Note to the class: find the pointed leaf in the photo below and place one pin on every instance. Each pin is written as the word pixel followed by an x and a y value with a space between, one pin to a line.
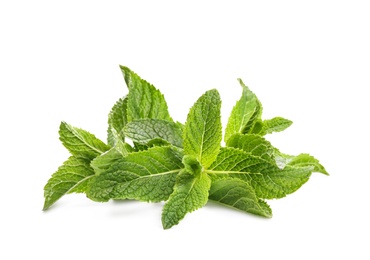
pixel 301 160
pixel 235 161
pixel 279 183
pixel 276 124
pixel 266 178
pixel 80 142
pixel 144 100
pixel 117 119
pixel 238 194
pixel 144 130
pixel 190 193
pixel 244 114
pixel 147 175
pixel 202 132
pixel 254 145
pixel 73 176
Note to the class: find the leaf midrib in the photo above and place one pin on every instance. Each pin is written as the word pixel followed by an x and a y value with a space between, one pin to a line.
pixel 83 140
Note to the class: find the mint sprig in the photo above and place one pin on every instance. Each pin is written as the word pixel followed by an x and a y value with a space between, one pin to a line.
pixel 149 157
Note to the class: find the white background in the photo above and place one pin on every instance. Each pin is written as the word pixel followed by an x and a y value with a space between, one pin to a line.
pixel 308 61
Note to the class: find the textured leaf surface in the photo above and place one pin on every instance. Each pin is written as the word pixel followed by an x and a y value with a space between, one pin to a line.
pixel 144 100
pixel 254 145
pixel 238 194
pixel 235 161
pixel 276 124
pixel 73 176
pixel 105 160
pixel 80 142
pixel 244 114
pixel 202 132
pixel 147 175
pixel 117 119
pixel 301 160
pixel 266 178
pixel 144 130
pixel 190 193
pixel 279 183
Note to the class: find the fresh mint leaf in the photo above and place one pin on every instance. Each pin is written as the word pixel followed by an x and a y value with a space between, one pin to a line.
pixel 80 142
pixel 117 119
pixel 190 193
pixel 147 176
pixel 245 113
pixel 301 160
pixel 254 145
pixel 238 194
pixel 105 160
pixel 144 100
pixel 276 124
pixel 76 173
pixel 237 162
pixel 202 133
pixel 73 176
pixel 278 183
pixel 142 131
pixel 266 178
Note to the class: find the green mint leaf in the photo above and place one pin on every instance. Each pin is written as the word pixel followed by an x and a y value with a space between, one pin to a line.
pixel 237 162
pixel 105 160
pixel 147 176
pixel 265 177
pixel 276 124
pixel 73 176
pixel 202 133
pixel 301 160
pixel 245 113
pixel 190 193
pixel 80 142
pixel 254 145
pixel 279 183
pixel 117 119
pixel 238 194
pixel 142 131
pixel 144 100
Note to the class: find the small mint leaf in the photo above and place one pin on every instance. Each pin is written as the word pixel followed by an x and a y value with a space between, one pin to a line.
pixel 73 176
pixel 202 133
pixel 190 193
pixel 80 142
pixel 142 131
pixel 144 100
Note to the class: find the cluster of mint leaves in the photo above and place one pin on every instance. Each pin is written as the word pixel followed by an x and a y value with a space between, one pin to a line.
pixel 182 164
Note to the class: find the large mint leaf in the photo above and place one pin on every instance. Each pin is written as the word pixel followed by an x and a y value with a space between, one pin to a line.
pixel 80 142
pixel 254 145
pixel 144 100
pixel 190 193
pixel 144 130
pixel 276 124
pixel 266 178
pixel 147 175
pixel 279 183
pixel 245 114
pixel 117 119
pixel 73 176
pixel 238 194
pixel 202 131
